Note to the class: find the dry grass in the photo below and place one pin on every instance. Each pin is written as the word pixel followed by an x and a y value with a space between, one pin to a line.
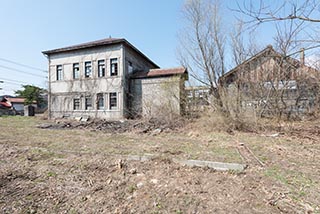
pixel 75 171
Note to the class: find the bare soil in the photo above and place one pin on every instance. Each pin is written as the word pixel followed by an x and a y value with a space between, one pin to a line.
pixel 84 171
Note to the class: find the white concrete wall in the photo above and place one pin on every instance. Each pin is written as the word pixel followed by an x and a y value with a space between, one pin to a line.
pixel 139 63
pixel 62 92
pixel 157 96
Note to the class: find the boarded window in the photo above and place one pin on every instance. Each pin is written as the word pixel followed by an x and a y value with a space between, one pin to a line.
pixel 88 103
pixel 76 71
pixel 114 67
pixel 76 104
pixel 113 101
pixel 100 101
pixel 101 68
pixel 59 72
pixel 87 69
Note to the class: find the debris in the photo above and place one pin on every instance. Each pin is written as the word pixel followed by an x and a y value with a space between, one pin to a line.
pixel 152 126
pixel 154 181
pixel 248 156
pixel 213 165
pixel 84 119
pixel 78 118
pixel 120 164
pixel 156 131
pixel 139 185
pixel 133 171
pixel 44 126
pixel 274 135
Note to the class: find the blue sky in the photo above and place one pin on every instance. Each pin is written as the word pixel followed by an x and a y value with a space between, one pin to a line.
pixel 29 27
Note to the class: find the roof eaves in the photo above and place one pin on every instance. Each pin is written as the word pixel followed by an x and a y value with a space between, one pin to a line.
pixel 85 45
pixel 139 52
pixel 268 48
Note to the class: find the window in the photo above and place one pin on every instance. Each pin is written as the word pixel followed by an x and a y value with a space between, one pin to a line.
pixel 76 104
pixel 59 72
pixel 76 71
pixel 114 67
pixel 113 101
pixel 88 103
pixel 87 69
pixel 101 68
pixel 100 101
pixel 130 67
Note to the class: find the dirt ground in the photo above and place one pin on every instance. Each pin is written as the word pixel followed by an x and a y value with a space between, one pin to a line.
pixel 84 171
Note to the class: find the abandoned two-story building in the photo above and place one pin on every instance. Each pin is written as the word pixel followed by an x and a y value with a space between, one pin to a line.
pixel 111 79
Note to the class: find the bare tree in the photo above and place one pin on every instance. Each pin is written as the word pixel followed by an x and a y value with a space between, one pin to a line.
pixel 291 17
pixel 307 10
pixel 203 43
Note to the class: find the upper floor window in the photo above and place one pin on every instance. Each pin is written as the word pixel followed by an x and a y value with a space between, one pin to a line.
pixel 114 67
pixel 130 68
pixel 88 103
pixel 100 101
pixel 59 72
pixel 113 100
pixel 76 104
pixel 87 69
pixel 101 68
pixel 76 71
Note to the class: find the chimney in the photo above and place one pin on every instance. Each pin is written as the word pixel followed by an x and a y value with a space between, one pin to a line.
pixel 302 62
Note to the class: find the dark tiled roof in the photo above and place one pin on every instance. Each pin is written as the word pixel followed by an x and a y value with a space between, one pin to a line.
pixel 160 72
pixel 102 42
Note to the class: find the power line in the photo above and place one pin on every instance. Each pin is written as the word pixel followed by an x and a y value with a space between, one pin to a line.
pixel 23 65
pixel 24 72
pixel 17 81
pixel 12 83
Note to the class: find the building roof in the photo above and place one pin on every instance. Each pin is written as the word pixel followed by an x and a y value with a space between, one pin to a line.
pixel 97 43
pixel 309 72
pixel 160 73
pixel 17 100
pixel 268 50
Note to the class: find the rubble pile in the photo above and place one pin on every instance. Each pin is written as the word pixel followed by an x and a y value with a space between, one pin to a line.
pixel 153 126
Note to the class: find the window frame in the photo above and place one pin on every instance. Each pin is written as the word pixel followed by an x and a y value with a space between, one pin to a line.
pixel 78 104
pixel 103 67
pixel 86 103
pixel 59 72
pixel 114 67
pixel 99 97
pixel 76 66
pixel 88 64
pixel 113 95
